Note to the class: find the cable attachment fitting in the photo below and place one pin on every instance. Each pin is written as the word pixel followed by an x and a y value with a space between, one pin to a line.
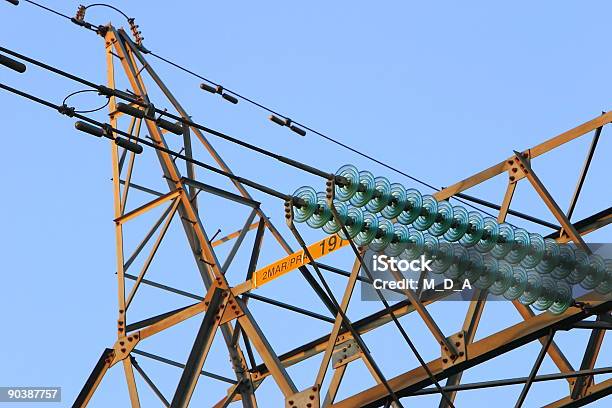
pixel 287 122
pixel 218 89
pixel 289 211
pixel 138 38
pixel 66 110
pixel 79 18
pixel 80 14
pixel 149 111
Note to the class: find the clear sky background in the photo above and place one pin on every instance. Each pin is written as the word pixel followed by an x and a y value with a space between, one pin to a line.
pixel 440 90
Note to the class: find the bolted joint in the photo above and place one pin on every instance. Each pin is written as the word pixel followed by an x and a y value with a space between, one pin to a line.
pixel 124 346
pixel 345 352
pixel 308 398
pixel 459 350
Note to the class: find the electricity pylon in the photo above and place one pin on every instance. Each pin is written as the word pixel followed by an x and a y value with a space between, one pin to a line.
pixel 225 308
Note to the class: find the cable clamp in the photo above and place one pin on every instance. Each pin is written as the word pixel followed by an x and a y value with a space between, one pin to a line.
pixel 66 110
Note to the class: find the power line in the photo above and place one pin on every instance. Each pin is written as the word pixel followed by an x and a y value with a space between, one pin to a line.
pixel 50 10
pixel 272 111
pixel 324 136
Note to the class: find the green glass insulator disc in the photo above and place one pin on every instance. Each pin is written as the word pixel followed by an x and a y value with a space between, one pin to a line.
pixel 535 253
pixel 414 247
pixel 522 245
pixel 428 214
pixel 351 174
pixel 461 261
pixel 563 299
pixel 443 258
pixel 605 286
pixel 332 226
pixel 384 237
pixel 355 225
pixel 488 275
pixel 486 244
pixel 368 233
pixel 475 231
pixel 382 196
pixel 551 258
pixel 461 223
pixel 518 283
pixel 400 241
pixel 322 214
pixel 412 210
pixel 547 295
pixel 533 289
pixel 309 196
pixel 565 263
pixel 503 279
pixel 432 246
pixel 444 219
pixel 596 274
pixel 505 241
pixel 366 183
pixel 397 203
pixel 581 269
pixel 475 268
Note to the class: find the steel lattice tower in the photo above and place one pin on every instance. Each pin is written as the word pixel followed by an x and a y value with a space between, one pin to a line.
pixel 224 308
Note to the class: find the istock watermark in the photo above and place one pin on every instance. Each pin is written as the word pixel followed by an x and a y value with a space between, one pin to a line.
pixel 385 263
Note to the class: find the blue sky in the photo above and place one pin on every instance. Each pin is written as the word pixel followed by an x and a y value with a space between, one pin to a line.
pixel 440 90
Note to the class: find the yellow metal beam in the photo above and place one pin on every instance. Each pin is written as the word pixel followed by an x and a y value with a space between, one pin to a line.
pixel 148 206
pixel 233 235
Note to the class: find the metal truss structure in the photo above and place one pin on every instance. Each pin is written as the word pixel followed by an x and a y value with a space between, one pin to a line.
pixel 224 308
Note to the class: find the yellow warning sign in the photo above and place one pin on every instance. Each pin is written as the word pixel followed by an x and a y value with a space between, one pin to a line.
pixel 297 259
